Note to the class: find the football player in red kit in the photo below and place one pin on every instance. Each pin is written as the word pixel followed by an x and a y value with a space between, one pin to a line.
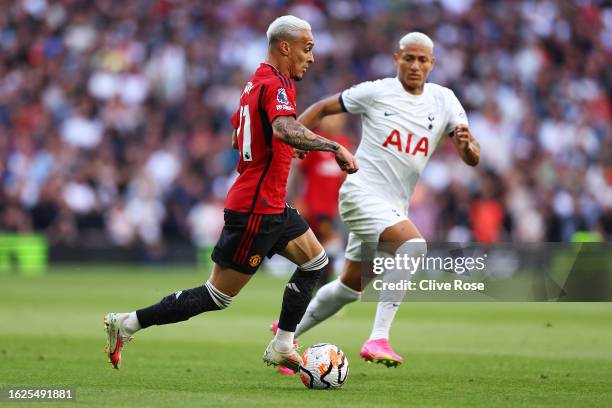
pixel 258 222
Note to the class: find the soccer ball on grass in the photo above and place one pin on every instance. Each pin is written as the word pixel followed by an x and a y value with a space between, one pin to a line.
pixel 324 366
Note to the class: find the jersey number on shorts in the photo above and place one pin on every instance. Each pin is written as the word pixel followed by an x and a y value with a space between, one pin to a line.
pixel 244 128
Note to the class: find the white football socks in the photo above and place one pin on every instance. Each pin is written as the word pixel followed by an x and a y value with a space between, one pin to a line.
pixel 389 303
pixel 385 313
pixel 386 307
pixel 329 299
pixel 131 323
pixel 283 341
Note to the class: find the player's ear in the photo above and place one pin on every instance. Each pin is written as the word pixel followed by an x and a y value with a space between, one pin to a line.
pixel 395 58
pixel 284 47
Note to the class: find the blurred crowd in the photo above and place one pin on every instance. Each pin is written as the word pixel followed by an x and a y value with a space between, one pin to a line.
pixel 114 116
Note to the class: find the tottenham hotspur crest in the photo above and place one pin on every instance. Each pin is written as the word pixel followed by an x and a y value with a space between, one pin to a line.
pixel 281 96
pixel 430 118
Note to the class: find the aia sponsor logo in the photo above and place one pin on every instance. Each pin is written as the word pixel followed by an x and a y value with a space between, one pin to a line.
pixel 409 144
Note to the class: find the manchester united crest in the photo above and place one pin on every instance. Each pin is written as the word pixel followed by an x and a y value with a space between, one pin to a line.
pixel 254 260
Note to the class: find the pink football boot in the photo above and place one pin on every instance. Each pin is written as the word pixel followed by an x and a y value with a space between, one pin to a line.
pixel 380 351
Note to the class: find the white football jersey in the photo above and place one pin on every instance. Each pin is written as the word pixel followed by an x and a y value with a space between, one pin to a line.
pixel 400 132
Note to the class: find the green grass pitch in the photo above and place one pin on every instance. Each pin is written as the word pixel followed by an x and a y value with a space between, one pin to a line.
pixel 457 354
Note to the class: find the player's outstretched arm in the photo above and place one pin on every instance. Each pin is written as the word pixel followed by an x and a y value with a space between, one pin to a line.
pixel 292 132
pixel 466 144
pixel 318 110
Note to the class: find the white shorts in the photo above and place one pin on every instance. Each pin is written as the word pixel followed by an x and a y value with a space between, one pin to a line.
pixel 366 217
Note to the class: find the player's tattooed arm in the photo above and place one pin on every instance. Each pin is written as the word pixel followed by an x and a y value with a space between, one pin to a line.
pixel 292 132
pixel 467 145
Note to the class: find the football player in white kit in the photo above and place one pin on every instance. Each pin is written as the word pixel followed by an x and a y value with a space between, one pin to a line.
pixel 403 121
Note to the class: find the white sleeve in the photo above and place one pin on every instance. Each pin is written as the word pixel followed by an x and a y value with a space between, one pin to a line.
pixel 456 113
pixel 358 98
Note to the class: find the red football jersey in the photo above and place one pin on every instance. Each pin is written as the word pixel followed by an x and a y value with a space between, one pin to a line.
pixel 264 160
pixel 323 180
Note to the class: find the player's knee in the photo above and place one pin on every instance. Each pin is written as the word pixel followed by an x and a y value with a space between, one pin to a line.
pixel 346 293
pixel 413 247
pixel 220 299
pixel 316 264
pixel 307 275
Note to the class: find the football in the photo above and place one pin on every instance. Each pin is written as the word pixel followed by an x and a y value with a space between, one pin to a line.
pixel 324 366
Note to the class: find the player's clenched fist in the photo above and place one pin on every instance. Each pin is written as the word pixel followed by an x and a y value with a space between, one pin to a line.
pixel 467 145
pixel 346 160
pixel 463 134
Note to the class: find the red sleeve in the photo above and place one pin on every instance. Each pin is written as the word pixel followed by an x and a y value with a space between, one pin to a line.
pixel 235 119
pixel 279 99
